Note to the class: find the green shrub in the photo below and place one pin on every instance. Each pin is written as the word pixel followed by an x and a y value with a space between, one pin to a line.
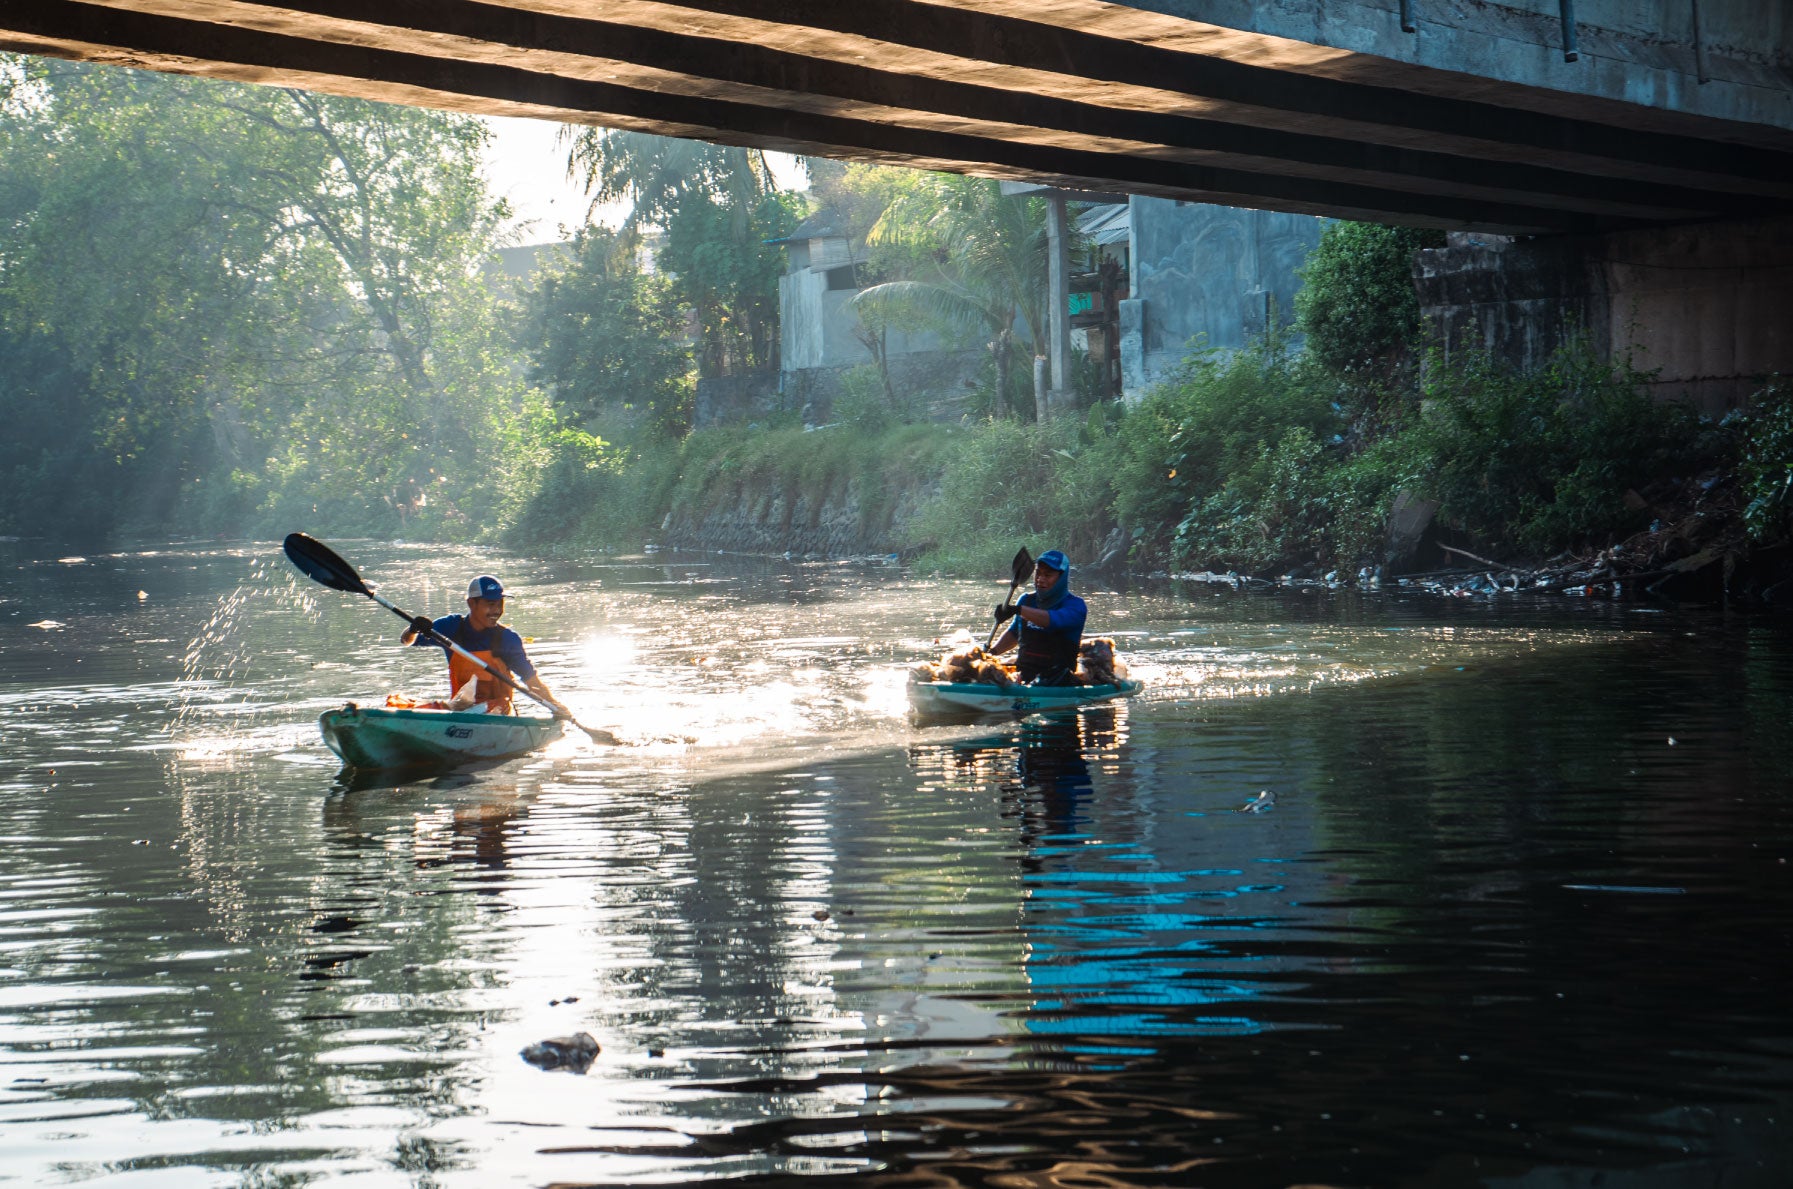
pixel 862 402
pixel 1007 483
pixel 1357 305
pixel 1209 423
pixel 1541 460
pixel 1296 504
pixel 1766 468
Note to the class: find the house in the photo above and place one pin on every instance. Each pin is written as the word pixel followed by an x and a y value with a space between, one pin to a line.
pixel 821 338
pixel 1205 277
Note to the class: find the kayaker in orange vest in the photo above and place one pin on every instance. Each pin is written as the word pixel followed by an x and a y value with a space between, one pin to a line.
pixel 480 633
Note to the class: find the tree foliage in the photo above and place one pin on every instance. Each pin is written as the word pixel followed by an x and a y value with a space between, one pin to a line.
pixel 222 305
pixel 605 336
pixel 1357 305
pixel 978 269
pixel 717 206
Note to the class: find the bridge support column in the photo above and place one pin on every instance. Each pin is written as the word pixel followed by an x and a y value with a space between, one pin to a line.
pixel 1703 306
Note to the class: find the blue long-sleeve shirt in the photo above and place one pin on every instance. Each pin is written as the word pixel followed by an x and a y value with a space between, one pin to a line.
pixel 1066 619
pixel 498 640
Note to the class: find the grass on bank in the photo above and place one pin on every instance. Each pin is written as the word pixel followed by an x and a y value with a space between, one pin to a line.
pixel 1266 462
pixel 1261 461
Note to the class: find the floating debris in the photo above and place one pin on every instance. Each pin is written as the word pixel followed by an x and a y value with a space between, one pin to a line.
pixel 572 1053
pixel 1630 889
pixel 1258 804
pixel 48 625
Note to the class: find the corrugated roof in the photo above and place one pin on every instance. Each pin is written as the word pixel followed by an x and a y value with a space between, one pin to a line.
pixel 1106 224
pixel 821 225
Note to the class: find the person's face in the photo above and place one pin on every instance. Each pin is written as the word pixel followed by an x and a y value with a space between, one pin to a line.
pixel 485 612
pixel 1043 578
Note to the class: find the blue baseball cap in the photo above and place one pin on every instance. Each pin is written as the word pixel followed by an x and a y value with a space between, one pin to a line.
pixel 485 587
pixel 1055 559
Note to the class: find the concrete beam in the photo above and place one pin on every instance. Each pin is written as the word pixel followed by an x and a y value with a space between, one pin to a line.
pixel 1075 93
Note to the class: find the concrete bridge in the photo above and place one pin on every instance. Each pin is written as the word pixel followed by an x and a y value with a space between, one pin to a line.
pixel 1507 116
pixel 1646 144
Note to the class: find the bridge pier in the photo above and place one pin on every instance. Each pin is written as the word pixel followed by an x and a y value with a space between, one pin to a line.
pixel 1703 306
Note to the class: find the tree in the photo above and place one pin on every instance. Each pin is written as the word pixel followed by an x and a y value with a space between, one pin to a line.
pixel 260 293
pixel 1357 306
pixel 604 336
pixel 984 270
pixel 718 206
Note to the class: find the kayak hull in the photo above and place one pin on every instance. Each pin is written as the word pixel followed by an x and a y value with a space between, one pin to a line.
pixel 374 738
pixel 946 697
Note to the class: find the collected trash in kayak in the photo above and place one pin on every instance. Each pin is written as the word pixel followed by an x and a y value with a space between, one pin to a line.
pixel 972 666
pixel 1097 664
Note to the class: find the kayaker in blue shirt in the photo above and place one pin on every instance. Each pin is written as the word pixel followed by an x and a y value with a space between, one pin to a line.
pixel 1048 624
pixel 480 633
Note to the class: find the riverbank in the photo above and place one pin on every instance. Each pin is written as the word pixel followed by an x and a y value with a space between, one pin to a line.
pixel 1266 467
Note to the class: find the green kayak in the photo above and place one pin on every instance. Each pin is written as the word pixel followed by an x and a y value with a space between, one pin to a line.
pixel 950 698
pixel 382 738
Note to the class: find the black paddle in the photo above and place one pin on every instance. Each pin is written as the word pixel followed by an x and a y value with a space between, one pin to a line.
pixel 1019 569
pixel 322 565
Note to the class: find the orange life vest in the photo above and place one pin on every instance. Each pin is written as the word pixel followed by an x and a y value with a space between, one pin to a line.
pixel 493 692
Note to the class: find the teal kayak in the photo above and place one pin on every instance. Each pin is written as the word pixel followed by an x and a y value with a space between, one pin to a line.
pixel 382 738
pixel 946 697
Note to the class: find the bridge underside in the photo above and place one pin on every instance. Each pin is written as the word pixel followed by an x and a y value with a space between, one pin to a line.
pixel 1078 93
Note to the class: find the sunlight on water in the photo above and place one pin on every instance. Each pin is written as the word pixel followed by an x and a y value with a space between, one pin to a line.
pixel 813 936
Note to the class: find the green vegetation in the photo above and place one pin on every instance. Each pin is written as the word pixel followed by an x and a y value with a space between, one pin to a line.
pixel 1766 464
pixel 1357 306
pixel 720 466
pixel 718 207
pixel 230 309
pixel 1248 462
pixel 227 307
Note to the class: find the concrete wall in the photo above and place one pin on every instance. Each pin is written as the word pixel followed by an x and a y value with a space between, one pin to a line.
pixel 816 326
pixel 819 345
pixel 1708 308
pixel 1651 52
pixel 1208 274
pixel 737 400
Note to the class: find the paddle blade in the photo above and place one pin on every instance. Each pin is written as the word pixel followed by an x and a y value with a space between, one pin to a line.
pixel 1021 569
pixel 321 564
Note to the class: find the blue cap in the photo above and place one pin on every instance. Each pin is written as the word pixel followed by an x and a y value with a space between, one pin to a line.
pixel 1055 559
pixel 485 587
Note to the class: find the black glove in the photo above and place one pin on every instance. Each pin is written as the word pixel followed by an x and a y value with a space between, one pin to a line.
pixel 1004 613
pixel 422 625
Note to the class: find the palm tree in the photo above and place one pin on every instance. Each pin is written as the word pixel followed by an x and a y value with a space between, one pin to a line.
pixel 989 270
pixel 719 205
pixel 658 173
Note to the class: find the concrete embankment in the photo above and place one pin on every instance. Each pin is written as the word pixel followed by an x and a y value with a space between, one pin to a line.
pixel 772 515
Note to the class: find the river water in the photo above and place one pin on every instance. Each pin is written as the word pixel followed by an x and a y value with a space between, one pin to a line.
pixel 1512 916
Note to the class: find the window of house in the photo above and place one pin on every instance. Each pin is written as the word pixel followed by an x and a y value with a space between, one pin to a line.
pixel 844 277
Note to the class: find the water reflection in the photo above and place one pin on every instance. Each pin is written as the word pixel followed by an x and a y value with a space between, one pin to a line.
pixel 813 939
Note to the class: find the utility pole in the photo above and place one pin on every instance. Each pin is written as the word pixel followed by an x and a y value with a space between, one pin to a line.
pixel 1058 285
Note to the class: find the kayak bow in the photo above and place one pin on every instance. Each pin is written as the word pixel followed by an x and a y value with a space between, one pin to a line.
pixel 382 738
pixel 946 697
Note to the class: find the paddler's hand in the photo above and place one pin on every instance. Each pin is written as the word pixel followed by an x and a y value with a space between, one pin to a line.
pixel 1004 613
pixel 421 625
